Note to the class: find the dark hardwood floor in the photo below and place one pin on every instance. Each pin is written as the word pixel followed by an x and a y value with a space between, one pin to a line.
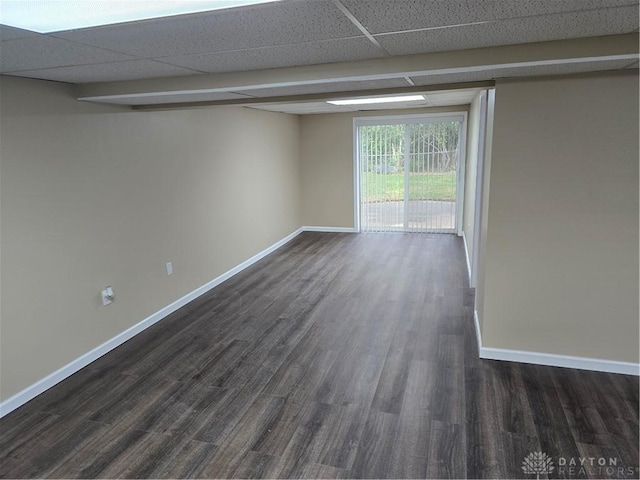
pixel 338 356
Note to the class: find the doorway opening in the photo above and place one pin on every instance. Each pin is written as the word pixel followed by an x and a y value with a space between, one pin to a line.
pixel 409 173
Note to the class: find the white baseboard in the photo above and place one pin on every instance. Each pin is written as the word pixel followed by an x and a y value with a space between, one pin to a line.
pixel 466 254
pixel 553 360
pixel 485 352
pixel 69 369
pixel 581 363
pixel 329 229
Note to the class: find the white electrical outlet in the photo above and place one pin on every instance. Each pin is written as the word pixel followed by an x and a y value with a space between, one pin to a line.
pixel 169 268
pixel 107 296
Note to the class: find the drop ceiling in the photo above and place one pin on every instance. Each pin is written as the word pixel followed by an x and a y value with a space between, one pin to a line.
pixel 230 51
pixel 431 99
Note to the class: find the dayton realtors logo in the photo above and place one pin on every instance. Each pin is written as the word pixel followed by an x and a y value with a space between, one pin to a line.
pixel 537 463
pixel 598 467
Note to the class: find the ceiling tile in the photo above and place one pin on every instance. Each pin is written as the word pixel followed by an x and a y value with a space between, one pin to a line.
pixel 39 52
pixel 301 108
pixel 306 32
pixel 311 108
pixel 517 8
pixel 507 32
pixel 279 23
pixel 564 69
pixel 380 16
pixel 107 72
pixel 391 106
pixel 13 33
pixel 327 88
pixel 327 51
pixel 453 97
pixel 443 98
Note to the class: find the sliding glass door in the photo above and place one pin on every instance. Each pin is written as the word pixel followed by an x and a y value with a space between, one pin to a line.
pixel 409 173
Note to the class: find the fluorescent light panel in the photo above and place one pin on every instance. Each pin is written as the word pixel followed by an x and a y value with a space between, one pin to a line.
pixel 46 16
pixel 367 101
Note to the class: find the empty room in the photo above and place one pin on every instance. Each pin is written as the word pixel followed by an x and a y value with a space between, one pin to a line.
pixel 319 239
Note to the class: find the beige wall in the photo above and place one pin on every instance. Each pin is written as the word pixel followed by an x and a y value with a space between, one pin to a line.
pixel 470 174
pixel 94 196
pixel 561 271
pixel 327 164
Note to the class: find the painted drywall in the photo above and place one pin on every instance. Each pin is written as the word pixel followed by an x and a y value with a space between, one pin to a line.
pixel 561 266
pixel 94 195
pixel 471 174
pixel 326 143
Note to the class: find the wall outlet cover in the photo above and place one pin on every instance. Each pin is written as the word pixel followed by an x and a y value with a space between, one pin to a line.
pixel 107 296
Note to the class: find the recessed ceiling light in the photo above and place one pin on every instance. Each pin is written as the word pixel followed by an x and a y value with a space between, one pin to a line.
pixel 46 16
pixel 365 101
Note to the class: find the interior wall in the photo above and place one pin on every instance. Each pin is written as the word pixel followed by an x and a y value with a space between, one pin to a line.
pixel 561 266
pixel 471 174
pixel 327 180
pixel 96 195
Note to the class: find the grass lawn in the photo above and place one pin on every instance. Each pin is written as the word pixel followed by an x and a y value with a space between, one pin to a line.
pixel 389 187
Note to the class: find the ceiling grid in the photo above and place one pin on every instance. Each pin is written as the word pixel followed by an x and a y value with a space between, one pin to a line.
pixel 358 25
pixel 314 36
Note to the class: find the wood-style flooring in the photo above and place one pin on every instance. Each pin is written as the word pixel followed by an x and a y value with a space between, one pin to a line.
pixel 338 356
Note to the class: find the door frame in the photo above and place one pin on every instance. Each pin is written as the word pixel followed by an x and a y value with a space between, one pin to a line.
pixel 485 145
pixel 460 115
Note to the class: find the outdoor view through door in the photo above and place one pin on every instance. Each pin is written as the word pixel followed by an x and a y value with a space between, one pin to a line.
pixel 408 173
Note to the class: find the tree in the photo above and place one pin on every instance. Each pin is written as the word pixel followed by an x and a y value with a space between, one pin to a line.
pixel 382 146
pixel 433 147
